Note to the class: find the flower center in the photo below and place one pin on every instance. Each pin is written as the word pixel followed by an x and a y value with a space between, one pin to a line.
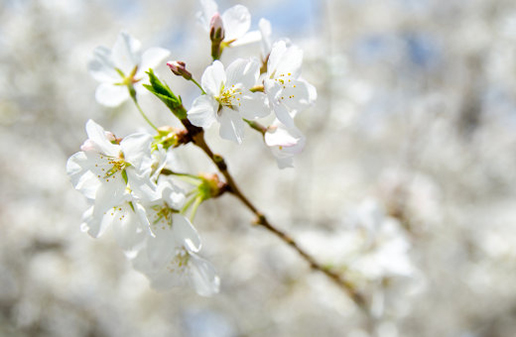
pixel 110 166
pixel 180 261
pixel 130 79
pixel 229 97
pixel 285 80
pixel 163 216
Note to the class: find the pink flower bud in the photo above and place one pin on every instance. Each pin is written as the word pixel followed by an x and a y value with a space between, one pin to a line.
pixel 217 28
pixel 179 69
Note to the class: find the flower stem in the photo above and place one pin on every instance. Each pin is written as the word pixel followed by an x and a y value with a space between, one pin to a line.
pixel 198 85
pixel 257 126
pixel 198 201
pixel 188 204
pixel 179 174
pixel 133 96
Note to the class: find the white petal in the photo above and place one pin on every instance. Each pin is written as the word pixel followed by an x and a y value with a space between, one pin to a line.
pixel 283 115
pixel 82 179
pixel 291 61
pixel 284 143
pixel 312 92
pixel 209 7
pixel 111 95
pixel 247 38
pixel 237 21
pixel 165 279
pixel 98 136
pixel 126 53
pixel 136 147
pixel 151 58
pixel 91 225
pixel 110 193
pixel 297 95
pixel 172 195
pixel 161 248
pixel 141 186
pixel 277 51
pixel 203 276
pixel 231 125
pixel 266 33
pixel 294 149
pixel 102 67
pixel 253 106
pixel 284 60
pixel 127 228
pixel 185 233
pixel 243 71
pixel 214 78
pixel 279 135
pixel 73 166
pixel 141 213
pixel 276 97
pixel 284 153
pixel 203 111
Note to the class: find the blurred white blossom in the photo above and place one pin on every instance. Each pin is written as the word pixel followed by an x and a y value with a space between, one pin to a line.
pixel 124 65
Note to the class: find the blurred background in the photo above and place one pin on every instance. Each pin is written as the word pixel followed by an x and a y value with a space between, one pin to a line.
pixel 406 185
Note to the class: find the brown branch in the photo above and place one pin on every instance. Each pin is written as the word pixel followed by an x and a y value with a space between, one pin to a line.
pixel 261 220
pixel 348 287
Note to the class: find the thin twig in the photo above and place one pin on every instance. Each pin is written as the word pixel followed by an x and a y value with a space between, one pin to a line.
pixel 347 286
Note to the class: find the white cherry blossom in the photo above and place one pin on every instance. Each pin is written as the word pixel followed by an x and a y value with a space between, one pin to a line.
pixel 105 172
pixel 128 221
pixel 184 268
pixel 228 98
pixel 169 258
pixel 286 91
pixel 124 65
pixel 284 143
pixel 170 229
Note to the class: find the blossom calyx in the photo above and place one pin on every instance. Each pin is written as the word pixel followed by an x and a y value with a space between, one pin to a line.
pixel 211 186
pixel 169 136
pixel 179 69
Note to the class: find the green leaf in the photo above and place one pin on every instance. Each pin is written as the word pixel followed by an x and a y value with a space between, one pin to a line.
pixel 165 94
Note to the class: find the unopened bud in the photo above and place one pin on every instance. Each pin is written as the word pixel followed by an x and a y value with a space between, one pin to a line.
pixel 216 28
pixel 179 69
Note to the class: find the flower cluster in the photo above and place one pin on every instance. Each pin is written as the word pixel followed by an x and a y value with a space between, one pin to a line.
pixel 250 89
pixel 118 177
pixel 127 181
